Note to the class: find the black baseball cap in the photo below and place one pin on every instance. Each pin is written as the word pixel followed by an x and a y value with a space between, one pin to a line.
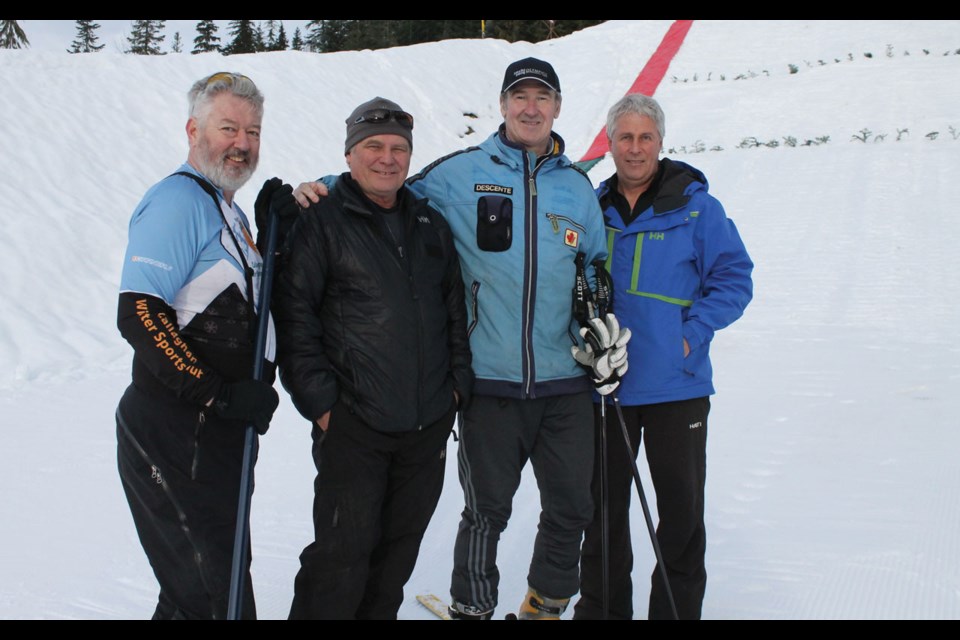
pixel 530 69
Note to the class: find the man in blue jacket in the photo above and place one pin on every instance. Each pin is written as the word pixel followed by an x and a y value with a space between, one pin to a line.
pixel 520 212
pixel 680 273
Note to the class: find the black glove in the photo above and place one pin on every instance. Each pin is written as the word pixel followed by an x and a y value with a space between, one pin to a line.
pixel 275 198
pixel 250 401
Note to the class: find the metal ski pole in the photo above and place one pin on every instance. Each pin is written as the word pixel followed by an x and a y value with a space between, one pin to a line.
pixel 602 302
pixel 604 513
pixel 241 539
pixel 646 507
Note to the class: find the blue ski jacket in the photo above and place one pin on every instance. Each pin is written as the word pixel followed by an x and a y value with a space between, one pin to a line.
pixel 680 270
pixel 518 222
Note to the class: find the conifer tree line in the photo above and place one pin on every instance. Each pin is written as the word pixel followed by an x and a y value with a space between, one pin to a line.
pixel 325 36
pixel 146 37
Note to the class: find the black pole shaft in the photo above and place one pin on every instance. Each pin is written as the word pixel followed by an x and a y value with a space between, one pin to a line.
pixel 604 514
pixel 646 507
pixel 241 539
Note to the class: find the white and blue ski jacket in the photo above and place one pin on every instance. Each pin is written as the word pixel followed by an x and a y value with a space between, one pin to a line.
pixel 184 300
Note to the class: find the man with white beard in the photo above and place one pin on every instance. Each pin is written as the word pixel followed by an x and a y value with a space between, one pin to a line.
pixel 188 307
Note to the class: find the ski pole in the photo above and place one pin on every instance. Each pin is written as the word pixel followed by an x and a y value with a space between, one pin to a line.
pixel 604 514
pixel 646 508
pixel 241 539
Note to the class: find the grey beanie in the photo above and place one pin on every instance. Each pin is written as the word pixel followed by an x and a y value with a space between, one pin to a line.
pixel 377 117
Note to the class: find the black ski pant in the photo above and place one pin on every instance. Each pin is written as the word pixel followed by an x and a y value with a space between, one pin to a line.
pixel 675 440
pixel 180 470
pixel 374 495
pixel 497 437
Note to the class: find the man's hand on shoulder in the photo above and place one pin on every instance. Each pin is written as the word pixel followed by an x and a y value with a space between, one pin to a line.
pixel 308 193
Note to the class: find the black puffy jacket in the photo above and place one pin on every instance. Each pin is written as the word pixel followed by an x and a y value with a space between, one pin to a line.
pixel 355 322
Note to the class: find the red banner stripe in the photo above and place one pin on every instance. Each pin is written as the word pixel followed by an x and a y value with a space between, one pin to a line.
pixel 649 78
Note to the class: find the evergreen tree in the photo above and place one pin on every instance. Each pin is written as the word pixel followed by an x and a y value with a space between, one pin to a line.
pixel 145 37
pixel 332 35
pixel 176 46
pixel 269 32
pixel 417 31
pixel 280 42
pixel 86 41
pixel 297 43
pixel 371 34
pixel 314 40
pixel 244 38
pixel 259 40
pixel 207 39
pixel 12 35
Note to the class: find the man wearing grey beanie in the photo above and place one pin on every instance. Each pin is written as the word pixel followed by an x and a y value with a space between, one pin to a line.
pixel 373 349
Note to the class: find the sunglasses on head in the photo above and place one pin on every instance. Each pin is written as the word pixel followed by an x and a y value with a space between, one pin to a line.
pixel 227 77
pixel 379 116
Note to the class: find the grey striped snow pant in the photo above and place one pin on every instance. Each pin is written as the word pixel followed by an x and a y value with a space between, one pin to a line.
pixel 497 437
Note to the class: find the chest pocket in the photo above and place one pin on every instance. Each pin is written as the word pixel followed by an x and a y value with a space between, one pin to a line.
pixel 494 223
pixel 432 244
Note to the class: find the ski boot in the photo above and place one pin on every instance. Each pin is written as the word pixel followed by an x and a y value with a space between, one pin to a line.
pixel 539 607
pixel 461 611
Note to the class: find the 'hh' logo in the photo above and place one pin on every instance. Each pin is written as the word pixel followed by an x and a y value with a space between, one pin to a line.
pixel 655 235
pixel 696 425
pixel 571 238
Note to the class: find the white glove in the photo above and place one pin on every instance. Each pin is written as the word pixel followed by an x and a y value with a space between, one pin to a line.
pixel 605 352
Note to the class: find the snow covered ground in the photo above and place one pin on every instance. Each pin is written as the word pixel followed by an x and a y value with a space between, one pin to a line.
pixel 833 486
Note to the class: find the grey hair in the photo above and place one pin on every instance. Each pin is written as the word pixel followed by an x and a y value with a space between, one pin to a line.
pixel 203 92
pixel 639 104
pixel 557 96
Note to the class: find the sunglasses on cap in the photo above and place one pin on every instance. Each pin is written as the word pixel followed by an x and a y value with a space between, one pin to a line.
pixel 379 116
pixel 227 77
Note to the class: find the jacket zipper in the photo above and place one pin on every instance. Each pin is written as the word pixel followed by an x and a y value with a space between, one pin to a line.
pixel 201 420
pixel 420 366
pixel 475 306
pixel 555 219
pixel 530 275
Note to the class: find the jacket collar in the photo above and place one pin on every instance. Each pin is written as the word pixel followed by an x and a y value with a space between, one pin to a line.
pixel 507 152
pixel 351 196
pixel 676 183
